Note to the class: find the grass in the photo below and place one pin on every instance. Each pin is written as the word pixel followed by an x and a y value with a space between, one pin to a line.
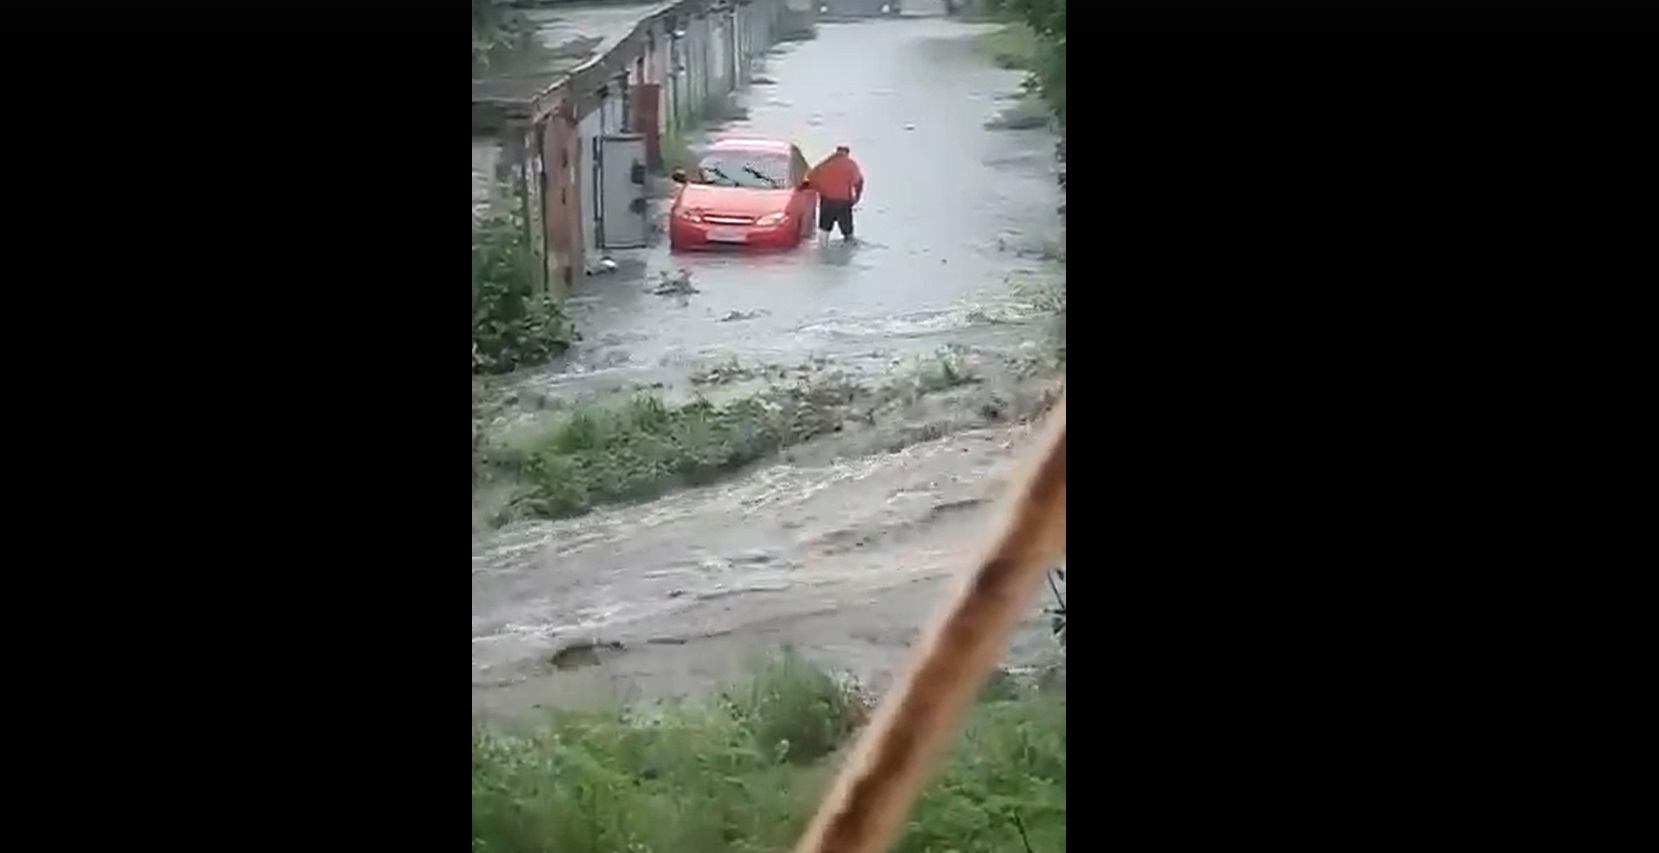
pixel 677 153
pixel 742 771
pixel 605 453
pixel 1012 46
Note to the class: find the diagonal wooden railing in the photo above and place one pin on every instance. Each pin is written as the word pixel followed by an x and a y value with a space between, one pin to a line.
pixel 893 758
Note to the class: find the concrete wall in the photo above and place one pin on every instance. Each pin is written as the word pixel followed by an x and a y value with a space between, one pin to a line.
pixel 755 28
pixel 486 157
pixel 663 74
pixel 697 66
pixel 797 19
pixel 720 53
pixel 715 56
pixel 673 83
pixel 587 130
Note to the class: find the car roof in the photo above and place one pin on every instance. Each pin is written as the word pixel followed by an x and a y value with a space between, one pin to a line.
pixel 750 144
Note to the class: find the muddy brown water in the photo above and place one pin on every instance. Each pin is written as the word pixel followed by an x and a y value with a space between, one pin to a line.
pixel 841 553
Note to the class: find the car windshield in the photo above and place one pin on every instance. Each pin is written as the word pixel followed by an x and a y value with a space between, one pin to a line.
pixel 751 169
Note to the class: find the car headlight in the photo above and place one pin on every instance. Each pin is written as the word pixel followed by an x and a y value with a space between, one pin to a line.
pixel 772 219
pixel 691 214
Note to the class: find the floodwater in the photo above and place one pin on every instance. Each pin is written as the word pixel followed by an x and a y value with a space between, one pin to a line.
pixel 954 221
pixel 841 554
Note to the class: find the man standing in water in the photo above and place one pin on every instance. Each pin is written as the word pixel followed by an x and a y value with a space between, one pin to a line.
pixel 840 185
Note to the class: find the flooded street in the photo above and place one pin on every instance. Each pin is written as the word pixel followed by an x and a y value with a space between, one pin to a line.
pixel 838 548
pixel 955 220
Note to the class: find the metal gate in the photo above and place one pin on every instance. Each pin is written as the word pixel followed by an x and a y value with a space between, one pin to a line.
pixel 621 215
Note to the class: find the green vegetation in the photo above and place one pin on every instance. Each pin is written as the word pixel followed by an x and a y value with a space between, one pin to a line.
pixel 1014 46
pixel 547 458
pixel 640 448
pixel 514 322
pixel 497 30
pixel 1057 611
pixel 742 771
pixel 1037 43
pixel 973 11
pixel 1046 21
pixel 677 152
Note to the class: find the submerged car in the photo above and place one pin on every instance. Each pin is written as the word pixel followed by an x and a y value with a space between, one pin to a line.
pixel 743 192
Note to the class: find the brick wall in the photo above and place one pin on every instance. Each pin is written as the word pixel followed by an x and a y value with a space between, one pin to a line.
pixel 563 202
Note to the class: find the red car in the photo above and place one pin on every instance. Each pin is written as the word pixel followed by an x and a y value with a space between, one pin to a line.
pixel 745 192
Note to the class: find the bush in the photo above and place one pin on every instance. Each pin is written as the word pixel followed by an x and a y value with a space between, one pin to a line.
pixel 514 324
pixel 795 711
pixel 1003 785
pixel 716 776
pixel 1044 55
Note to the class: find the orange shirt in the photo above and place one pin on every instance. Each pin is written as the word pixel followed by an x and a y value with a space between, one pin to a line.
pixel 837 179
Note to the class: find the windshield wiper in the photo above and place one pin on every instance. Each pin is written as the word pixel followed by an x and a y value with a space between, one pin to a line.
pixel 762 175
pixel 715 171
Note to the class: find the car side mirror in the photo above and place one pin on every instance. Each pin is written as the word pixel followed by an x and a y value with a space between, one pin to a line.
pixel 678 176
pixel 806 184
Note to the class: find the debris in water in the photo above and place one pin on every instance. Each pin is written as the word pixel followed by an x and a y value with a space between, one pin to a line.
pixel 909 127
pixel 735 315
pixel 674 283
pixel 582 653
pixel 720 374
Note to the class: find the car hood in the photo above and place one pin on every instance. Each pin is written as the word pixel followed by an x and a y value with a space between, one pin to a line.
pixel 736 201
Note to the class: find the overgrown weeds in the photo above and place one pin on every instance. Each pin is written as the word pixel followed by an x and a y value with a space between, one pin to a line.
pixel 515 323
pixel 1040 48
pixel 602 454
pixel 742 771
pixel 677 150
pixel 640 448
pixel 1052 301
pixel 677 153
pixel 1057 611
pixel 1013 46
pixel 498 30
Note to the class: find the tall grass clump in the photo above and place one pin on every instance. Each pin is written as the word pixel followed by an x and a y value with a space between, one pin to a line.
pixel 604 454
pixel 1014 46
pixel 741 772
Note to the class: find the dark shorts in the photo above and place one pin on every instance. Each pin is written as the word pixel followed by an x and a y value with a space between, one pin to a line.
pixel 832 214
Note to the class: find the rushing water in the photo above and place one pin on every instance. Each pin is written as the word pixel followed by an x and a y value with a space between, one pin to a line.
pixel 841 555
